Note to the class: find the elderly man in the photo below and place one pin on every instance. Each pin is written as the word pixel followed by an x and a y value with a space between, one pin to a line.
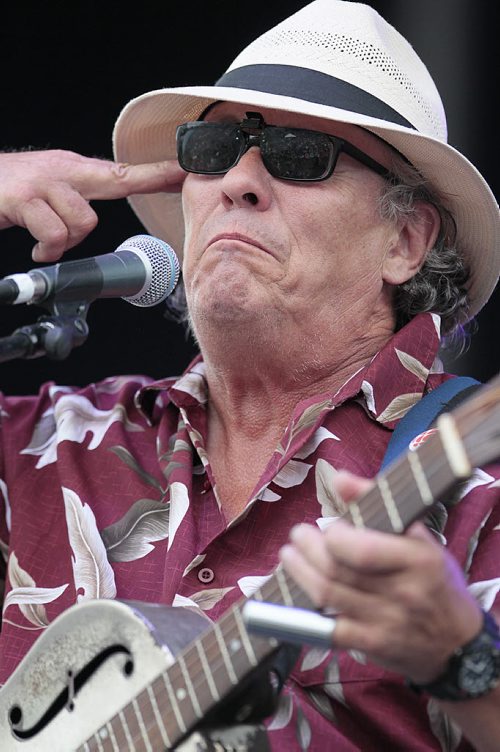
pixel 330 239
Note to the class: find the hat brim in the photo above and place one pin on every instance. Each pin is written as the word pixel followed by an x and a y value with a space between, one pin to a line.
pixel 145 132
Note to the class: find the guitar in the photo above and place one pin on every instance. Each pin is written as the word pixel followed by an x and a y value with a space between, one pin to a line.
pixel 112 676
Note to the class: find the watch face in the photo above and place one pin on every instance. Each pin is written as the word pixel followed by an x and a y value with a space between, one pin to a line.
pixel 477 672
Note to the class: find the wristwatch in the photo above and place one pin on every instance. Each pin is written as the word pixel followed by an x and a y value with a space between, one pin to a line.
pixel 473 670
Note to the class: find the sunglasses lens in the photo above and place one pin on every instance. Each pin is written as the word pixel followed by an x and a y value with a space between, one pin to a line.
pixel 295 154
pixel 208 148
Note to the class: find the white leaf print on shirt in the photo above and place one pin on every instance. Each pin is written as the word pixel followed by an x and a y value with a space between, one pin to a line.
pixel 292 474
pixel 115 384
pixel 206 599
pixel 310 446
pixel 303 729
pixel 436 320
pixel 179 504
pixel 194 383
pixel 283 713
pixel 330 501
pixel 180 601
pixel 91 569
pixel 28 596
pixel 413 365
pixel 324 522
pixel 130 537
pixel 485 592
pixel 305 421
pixel 322 703
pixel 267 495
pixel 5 493
pixel 332 684
pixel 248 585
pixel 313 657
pixel 70 420
pixel 399 407
pixel 445 730
pixel 196 562
pixel 367 390
pixel 478 478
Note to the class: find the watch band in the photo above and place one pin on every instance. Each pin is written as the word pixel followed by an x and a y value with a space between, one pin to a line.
pixel 473 670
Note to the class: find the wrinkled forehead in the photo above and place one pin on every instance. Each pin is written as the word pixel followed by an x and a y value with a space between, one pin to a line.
pixel 373 145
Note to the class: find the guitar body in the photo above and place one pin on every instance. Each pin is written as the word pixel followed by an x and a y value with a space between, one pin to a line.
pixel 120 648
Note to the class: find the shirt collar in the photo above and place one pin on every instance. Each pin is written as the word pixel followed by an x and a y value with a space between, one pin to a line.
pixel 387 386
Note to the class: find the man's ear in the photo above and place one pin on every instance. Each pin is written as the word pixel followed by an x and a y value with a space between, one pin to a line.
pixel 417 235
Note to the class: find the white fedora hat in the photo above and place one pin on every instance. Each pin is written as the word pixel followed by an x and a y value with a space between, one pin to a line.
pixel 338 60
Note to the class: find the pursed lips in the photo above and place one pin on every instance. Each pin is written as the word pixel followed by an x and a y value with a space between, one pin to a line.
pixel 242 238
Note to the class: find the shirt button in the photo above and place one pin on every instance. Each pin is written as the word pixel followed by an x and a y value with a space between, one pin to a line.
pixel 206 575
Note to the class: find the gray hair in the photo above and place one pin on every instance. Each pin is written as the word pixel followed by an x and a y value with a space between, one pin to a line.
pixel 440 286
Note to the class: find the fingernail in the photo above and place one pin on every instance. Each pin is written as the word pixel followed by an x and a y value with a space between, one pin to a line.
pixel 297 532
pixel 285 551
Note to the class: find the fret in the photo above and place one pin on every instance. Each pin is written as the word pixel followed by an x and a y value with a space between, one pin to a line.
pixel 225 655
pixel 142 727
pixel 208 674
pixel 355 513
pixel 133 726
pixel 112 737
pixel 118 733
pixel 159 721
pixel 282 583
pixel 174 704
pixel 390 504
pixel 244 638
pixel 420 479
pixel 97 737
pixel 126 729
pixel 453 447
pixel 189 684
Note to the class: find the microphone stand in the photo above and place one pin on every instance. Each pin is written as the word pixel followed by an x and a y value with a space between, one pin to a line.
pixel 54 336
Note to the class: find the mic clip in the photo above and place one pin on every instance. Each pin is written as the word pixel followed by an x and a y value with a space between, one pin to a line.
pixel 54 336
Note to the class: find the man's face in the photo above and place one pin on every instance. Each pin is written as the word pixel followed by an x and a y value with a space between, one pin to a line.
pixel 257 246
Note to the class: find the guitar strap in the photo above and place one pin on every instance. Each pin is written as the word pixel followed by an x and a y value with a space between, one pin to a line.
pixel 422 415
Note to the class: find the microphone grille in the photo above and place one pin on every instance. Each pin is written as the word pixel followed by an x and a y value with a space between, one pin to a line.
pixel 163 265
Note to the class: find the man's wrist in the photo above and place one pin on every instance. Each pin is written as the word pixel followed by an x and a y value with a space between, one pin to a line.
pixel 472 671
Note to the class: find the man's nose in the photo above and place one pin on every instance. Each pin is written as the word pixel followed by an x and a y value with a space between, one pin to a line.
pixel 248 182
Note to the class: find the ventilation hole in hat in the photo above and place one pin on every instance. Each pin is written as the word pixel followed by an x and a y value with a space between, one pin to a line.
pixel 321 42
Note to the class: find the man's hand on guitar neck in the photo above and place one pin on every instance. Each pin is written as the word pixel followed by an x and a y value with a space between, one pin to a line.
pixel 48 193
pixel 401 599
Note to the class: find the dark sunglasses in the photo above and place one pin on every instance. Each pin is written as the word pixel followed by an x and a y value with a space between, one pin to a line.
pixel 287 153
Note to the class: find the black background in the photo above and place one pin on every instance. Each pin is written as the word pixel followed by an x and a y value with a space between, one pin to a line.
pixel 68 68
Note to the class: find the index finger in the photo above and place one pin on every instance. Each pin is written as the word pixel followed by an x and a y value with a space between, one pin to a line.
pixel 375 552
pixel 102 179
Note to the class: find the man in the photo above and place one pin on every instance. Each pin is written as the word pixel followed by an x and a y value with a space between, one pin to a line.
pixel 328 231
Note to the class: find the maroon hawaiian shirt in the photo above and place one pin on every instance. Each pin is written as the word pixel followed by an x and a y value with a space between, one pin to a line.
pixel 107 492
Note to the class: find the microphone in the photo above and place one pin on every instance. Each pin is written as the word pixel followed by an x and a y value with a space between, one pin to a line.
pixel 143 270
